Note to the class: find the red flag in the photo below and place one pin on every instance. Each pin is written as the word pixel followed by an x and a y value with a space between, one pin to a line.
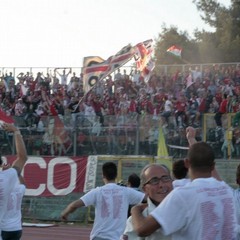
pixel 5 117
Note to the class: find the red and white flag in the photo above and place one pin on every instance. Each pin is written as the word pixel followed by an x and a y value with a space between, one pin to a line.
pixel 189 81
pixel 143 52
pixel 96 69
pixel 119 59
pixel 93 67
pixel 143 58
pixel 23 90
pixel 146 73
pixel 176 51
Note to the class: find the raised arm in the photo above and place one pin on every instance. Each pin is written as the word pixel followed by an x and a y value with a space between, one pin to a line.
pixel 191 135
pixel 69 71
pixel 56 71
pixel 19 163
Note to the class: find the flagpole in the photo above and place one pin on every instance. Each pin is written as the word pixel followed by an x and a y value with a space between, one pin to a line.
pixel 185 61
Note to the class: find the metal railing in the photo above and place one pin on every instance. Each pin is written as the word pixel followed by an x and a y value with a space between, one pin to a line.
pixel 133 135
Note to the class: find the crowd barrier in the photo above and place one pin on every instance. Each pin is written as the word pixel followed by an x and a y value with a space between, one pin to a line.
pixel 132 148
pixel 129 135
pixel 37 208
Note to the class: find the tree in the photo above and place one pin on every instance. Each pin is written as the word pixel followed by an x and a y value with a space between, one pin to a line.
pixel 226 21
pixel 220 45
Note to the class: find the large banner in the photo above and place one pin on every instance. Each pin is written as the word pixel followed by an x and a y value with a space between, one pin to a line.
pixel 55 176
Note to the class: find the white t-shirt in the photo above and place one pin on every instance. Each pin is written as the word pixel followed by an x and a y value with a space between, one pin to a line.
pixel 236 194
pixel 180 182
pixel 202 209
pixel 8 180
pixel 168 106
pixel 130 234
pixel 111 203
pixel 12 219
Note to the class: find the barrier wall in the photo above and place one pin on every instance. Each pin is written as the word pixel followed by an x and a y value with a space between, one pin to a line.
pixel 50 207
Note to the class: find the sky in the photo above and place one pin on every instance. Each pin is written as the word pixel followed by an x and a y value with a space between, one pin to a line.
pixel 59 33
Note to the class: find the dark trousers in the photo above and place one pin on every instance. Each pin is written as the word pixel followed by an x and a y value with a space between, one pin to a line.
pixel 13 235
pixel 218 119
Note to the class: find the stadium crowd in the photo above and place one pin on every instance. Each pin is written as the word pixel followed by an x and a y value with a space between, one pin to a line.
pixel 179 99
pixel 187 94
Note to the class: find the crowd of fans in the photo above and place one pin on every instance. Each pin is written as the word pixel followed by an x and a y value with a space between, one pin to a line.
pixel 178 99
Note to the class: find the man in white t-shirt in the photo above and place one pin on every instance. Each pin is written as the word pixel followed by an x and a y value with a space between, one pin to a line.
pixel 180 173
pixel 236 194
pixel 63 76
pixel 111 203
pixel 9 176
pixel 157 184
pixel 11 224
pixel 168 107
pixel 202 209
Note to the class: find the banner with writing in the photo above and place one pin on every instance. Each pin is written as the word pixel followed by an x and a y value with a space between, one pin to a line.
pixel 57 176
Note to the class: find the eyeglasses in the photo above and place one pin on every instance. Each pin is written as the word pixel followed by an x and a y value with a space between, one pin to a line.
pixel 156 180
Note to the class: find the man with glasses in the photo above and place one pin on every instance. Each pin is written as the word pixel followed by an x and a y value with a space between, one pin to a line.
pixel 202 209
pixel 156 184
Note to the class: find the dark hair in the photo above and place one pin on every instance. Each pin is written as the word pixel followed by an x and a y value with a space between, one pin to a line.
pixel 201 157
pixel 134 180
pixel 179 170
pixel 109 170
pixel 1 161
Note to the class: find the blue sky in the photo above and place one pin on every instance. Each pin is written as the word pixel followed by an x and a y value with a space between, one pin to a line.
pixel 52 33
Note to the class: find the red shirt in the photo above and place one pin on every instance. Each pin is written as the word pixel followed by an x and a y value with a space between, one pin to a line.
pixel 180 106
pixel 97 106
pixel 132 106
pixel 223 106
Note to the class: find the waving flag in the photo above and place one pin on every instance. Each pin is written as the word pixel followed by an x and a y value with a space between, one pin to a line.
pixel 57 136
pixel 61 135
pixel 119 59
pixel 162 148
pixel 189 81
pixel 23 90
pixel 96 69
pixel 143 58
pixel 143 53
pixel 176 51
pixel 93 67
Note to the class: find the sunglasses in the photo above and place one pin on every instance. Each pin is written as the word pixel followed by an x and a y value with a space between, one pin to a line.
pixel 156 180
